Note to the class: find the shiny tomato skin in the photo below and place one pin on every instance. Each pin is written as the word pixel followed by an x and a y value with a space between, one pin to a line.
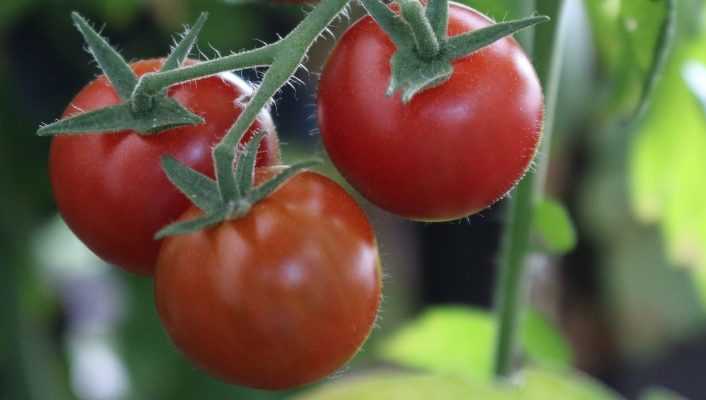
pixel 278 298
pixel 454 149
pixel 110 188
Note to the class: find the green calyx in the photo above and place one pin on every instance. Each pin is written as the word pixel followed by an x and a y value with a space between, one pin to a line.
pixel 145 115
pixel 425 54
pixel 213 198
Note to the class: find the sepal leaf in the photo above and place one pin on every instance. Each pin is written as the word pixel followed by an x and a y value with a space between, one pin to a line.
pixel 273 184
pixel 438 14
pixel 110 61
pixel 468 43
pixel 410 74
pixel 199 188
pixel 192 225
pixel 182 50
pixel 167 113
pixel 245 166
pixel 393 25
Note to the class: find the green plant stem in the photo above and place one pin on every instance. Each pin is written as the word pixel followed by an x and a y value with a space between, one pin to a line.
pixel 511 286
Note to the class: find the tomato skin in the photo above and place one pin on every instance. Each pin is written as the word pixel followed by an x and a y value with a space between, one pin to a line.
pixel 110 188
pixel 279 298
pixel 454 149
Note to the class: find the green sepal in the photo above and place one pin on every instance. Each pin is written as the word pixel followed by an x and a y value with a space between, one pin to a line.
pixel 193 225
pixel 182 50
pixel 114 66
pixel 273 184
pixel 245 167
pixel 438 15
pixel 391 23
pixel 199 188
pixel 411 74
pixel 694 74
pixel 554 226
pixel 166 114
pixel 468 43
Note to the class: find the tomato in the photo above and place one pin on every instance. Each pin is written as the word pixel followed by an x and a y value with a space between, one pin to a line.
pixel 454 149
pixel 278 298
pixel 110 188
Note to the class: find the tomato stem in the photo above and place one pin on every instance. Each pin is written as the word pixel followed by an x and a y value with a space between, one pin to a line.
pixel 426 42
pixel 512 280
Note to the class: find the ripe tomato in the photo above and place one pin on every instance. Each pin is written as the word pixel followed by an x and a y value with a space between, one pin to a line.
pixel 110 188
pixel 453 149
pixel 278 298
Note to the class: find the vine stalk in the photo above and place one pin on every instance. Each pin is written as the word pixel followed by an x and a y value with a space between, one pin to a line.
pixel 511 284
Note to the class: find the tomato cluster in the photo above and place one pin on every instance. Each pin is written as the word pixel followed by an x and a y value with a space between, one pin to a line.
pixel 285 292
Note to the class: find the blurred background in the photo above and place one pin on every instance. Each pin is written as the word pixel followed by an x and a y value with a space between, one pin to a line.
pixel 625 306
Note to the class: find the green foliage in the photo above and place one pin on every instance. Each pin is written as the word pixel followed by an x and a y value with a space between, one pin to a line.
pixel 553 223
pixel 534 385
pixel 627 33
pixel 460 340
pixel 668 163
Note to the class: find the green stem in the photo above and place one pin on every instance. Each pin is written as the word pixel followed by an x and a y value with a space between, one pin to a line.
pixel 511 286
pixel 150 84
pixel 290 51
pixel 424 37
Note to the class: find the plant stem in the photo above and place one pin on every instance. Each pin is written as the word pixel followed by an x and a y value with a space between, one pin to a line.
pixel 511 286
pixel 288 57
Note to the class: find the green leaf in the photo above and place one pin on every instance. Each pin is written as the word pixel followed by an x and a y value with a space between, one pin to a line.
pixel 660 393
pixel 667 161
pixel 544 343
pixel 165 114
pixel 533 384
pixel 461 340
pixel 633 37
pixel 182 50
pixel 193 225
pixel 451 339
pixel 198 188
pixel 553 223
pixel 110 61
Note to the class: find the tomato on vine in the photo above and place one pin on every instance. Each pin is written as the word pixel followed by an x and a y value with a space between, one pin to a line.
pixel 110 188
pixel 279 297
pixel 449 151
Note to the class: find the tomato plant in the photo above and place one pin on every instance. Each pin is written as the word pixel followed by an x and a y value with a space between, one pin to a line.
pixel 110 188
pixel 451 151
pixel 280 297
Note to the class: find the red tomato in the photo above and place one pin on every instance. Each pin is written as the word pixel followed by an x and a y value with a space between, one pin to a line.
pixel 278 298
pixel 454 149
pixel 110 188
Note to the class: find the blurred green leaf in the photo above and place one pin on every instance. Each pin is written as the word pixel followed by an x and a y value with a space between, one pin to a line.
pixel 627 34
pixel 659 393
pixel 534 385
pixel 552 221
pixel 668 163
pixel 544 343
pixel 460 340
